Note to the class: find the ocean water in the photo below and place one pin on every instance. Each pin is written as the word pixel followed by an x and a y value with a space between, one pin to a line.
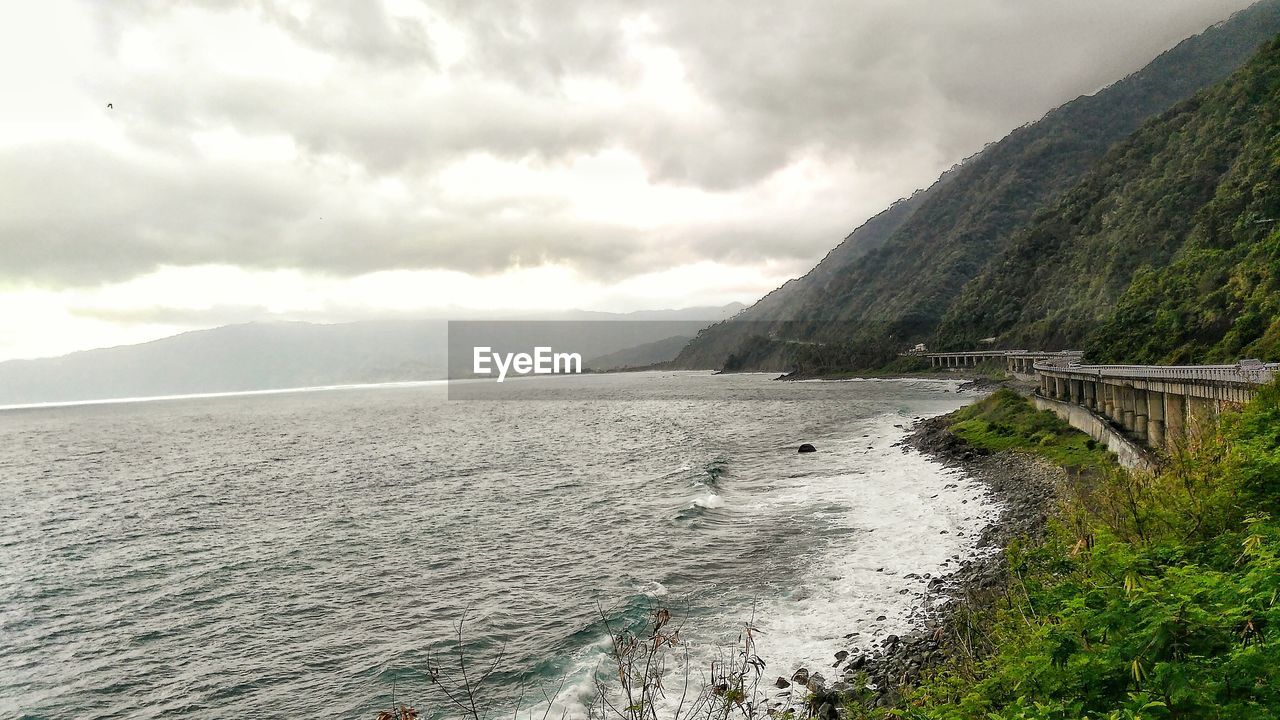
pixel 305 554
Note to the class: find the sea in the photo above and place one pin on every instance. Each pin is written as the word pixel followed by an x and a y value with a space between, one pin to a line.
pixel 315 553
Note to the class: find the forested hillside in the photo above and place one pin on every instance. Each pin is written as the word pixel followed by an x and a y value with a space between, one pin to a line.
pixel 1166 252
pixel 982 219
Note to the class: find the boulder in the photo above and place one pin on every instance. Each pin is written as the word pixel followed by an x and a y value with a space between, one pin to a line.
pixel 807 448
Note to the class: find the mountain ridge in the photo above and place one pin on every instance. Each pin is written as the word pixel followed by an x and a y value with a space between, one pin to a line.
pixel 898 293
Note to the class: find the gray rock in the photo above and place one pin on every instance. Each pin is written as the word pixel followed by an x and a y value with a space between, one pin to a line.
pixel 816 683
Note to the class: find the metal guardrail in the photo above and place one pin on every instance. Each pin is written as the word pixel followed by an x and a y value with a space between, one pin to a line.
pixel 997 353
pixel 1244 372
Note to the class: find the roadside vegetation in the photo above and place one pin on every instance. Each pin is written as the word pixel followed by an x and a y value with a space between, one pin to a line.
pixel 1005 420
pixel 1148 596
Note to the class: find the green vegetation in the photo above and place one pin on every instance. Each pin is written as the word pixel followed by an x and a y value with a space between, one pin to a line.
pixel 1006 421
pixel 1166 253
pixel 1149 597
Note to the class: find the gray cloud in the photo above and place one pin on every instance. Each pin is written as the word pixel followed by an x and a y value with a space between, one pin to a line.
pixel 898 90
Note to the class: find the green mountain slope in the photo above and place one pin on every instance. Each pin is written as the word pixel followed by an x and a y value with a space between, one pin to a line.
pixel 898 292
pixel 1166 252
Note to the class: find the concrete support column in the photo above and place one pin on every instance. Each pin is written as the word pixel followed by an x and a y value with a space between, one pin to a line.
pixel 1175 419
pixel 1155 419
pixel 1140 414
pixel 1126 408
pixel 1200 412
pixel 1057 388
pixel 1091 395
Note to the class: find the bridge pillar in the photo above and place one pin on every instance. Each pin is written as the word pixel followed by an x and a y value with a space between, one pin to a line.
pixel 1108 402
pixel 1200 414
pixel 1126 407
pixel 1059 388
pixel 1140 414
pixel 1175 419
pixel 1090 395
pixel 1155 419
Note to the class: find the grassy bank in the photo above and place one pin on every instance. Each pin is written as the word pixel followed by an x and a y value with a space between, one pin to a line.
pixel 1004 420
pixel 1148 596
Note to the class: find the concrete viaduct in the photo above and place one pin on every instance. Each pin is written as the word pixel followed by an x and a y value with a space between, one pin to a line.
pixel 1016 361
pixel 1156 404
pixel 1131 408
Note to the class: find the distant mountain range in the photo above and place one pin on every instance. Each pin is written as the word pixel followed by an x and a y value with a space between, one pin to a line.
pixel 1082 227
pixel 274 355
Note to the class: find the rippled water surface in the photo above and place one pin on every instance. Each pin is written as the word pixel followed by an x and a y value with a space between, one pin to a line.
pixel 297 554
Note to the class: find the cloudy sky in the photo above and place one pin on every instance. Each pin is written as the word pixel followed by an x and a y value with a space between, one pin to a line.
pixel 336 160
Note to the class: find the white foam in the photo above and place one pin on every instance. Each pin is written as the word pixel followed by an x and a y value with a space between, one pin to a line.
pixel 709 502
pixel 904 519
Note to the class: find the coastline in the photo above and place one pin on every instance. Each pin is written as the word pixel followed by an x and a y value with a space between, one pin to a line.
pixel 1024 487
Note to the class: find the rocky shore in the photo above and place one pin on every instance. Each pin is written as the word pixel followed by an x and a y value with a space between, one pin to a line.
pixel 1023 485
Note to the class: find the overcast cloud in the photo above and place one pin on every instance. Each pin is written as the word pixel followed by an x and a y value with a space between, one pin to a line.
pixel 598 145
